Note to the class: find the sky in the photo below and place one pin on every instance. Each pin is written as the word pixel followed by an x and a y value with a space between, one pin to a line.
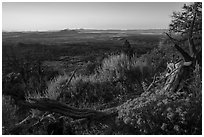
pixel 42 16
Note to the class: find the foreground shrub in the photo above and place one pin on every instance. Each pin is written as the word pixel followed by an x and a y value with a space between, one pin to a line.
pixel 9 117
pixel 163 112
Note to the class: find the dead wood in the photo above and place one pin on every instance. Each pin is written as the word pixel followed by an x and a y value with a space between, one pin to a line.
pixel 45 104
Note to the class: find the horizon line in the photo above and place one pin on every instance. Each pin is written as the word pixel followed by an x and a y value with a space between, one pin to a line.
pixel 80 29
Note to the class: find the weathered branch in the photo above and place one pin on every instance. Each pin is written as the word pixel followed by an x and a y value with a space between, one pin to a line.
pixel 186 56
pixel 190 37
pixel 28 123
pixel 153 82
pixel 175 41
pixel 67 83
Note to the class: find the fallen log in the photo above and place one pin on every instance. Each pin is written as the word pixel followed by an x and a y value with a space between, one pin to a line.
pixel 45 104
pixel 48 105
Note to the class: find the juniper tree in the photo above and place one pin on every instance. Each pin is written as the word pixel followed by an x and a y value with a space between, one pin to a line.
pixel 188 24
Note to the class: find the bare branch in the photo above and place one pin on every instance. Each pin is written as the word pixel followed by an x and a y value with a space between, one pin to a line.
pixel 186 56
pixel 172 39
pixel 153 82
pixel 67 83
pixel 23 121
pixel 190 39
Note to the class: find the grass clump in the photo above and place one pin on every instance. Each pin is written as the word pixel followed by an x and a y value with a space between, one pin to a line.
pixel 117 75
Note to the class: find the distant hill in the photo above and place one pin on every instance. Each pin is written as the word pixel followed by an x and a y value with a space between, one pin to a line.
pixel 69 31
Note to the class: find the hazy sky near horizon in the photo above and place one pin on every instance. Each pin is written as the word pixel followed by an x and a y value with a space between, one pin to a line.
pixel 40 16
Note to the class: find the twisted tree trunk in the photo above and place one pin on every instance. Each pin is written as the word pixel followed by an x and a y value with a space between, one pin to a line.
pixel 184 69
